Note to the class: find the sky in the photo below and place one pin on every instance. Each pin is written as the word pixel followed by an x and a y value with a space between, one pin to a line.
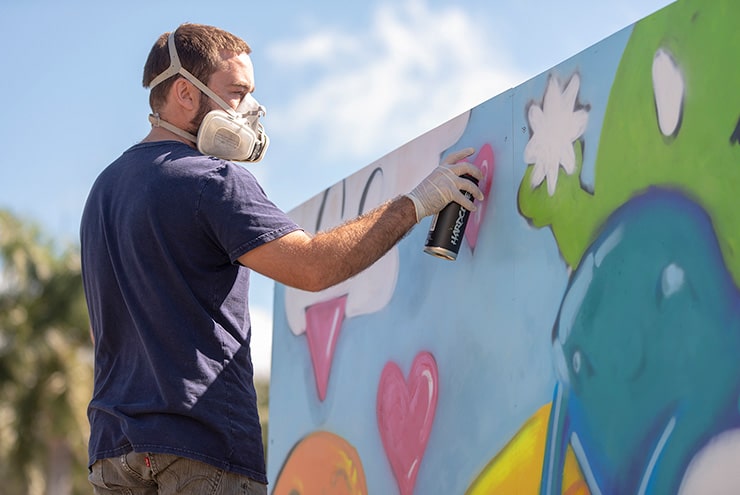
pixel 344 83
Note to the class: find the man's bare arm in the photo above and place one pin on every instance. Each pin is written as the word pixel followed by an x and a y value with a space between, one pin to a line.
pixel 328 258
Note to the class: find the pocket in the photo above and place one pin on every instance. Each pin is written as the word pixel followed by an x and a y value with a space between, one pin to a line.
pixel 96 475
pixel 254 487
pixel 107 476
pixel 137 465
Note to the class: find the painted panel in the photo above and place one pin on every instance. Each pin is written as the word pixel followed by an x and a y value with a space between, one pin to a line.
pixel 586 340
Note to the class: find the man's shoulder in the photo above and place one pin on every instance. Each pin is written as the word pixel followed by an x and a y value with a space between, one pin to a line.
pixel 164 151
pixel 168 157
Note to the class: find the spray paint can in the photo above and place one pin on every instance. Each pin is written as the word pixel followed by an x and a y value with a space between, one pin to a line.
pixel 448 226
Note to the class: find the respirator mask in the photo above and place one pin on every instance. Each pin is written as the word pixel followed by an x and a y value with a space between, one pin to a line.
pixel 234 135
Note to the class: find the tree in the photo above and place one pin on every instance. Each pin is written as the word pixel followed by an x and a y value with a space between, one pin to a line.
pixel 45 364
pixel 262 387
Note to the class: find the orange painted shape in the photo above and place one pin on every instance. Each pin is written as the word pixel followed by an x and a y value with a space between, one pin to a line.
pixel 322 463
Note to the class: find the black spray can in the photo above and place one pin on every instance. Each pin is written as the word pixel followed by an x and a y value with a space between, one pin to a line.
pixel 447 229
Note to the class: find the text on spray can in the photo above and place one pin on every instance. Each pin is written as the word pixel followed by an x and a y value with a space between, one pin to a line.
pixel 448 228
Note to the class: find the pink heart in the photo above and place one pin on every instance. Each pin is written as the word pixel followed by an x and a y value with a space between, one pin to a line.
pixel 405 416
pixel 485 162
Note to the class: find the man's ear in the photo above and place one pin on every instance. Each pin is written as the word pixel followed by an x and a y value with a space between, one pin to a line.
pixel 185 94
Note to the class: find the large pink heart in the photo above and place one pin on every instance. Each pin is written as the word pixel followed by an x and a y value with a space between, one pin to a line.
pixel 405 416
pixel 485 162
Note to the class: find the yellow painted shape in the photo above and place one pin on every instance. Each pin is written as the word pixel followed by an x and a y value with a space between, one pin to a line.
pixel 517 468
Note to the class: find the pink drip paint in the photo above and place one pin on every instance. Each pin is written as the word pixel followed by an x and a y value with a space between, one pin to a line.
pixel 323 324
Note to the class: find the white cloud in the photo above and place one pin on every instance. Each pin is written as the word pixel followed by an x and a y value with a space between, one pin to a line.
pixel 369 91
pixel 319 48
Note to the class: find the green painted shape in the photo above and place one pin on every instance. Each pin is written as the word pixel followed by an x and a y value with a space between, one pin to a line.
pixel 699 160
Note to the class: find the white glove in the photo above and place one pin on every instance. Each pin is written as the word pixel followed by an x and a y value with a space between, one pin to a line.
pixel 444 185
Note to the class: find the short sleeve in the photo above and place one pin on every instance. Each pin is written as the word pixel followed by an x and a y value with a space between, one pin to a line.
pixel 236 213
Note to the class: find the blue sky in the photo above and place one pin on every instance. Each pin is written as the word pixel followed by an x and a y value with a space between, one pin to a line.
pixel 344 83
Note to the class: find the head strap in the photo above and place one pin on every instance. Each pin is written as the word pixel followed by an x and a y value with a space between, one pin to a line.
pixel 156 121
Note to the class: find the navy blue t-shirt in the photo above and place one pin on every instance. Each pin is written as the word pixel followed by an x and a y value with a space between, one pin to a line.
pixel 161 233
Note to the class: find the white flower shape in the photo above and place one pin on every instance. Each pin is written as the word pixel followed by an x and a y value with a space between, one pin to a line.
pixel 555 127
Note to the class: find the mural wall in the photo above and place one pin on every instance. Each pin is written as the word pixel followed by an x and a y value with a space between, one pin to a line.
pixel 587 339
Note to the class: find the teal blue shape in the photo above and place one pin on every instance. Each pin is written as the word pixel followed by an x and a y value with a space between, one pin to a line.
pixel 647 339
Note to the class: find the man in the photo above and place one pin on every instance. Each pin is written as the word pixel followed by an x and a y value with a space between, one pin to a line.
pixel 169 233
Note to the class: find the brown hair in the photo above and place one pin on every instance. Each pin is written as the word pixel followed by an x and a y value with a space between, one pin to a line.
pixel 198 47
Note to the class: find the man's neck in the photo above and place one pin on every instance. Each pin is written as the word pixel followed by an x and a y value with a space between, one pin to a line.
pixel 161 134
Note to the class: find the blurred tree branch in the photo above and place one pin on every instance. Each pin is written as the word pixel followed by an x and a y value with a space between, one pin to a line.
pixel 45 364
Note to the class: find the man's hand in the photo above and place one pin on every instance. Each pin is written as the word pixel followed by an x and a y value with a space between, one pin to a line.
pixel 314 263
pixel 444 185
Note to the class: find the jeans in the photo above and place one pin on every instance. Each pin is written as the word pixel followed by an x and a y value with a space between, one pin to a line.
pixel 164 474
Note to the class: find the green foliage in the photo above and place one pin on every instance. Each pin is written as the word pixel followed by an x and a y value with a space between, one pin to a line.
pixel 45 364
pixel 262 387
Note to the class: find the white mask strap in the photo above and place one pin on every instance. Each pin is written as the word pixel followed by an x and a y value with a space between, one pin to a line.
pixel 177 68
pixel 157 122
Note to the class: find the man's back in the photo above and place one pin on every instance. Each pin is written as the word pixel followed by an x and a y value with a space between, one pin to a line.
pixel 161 231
